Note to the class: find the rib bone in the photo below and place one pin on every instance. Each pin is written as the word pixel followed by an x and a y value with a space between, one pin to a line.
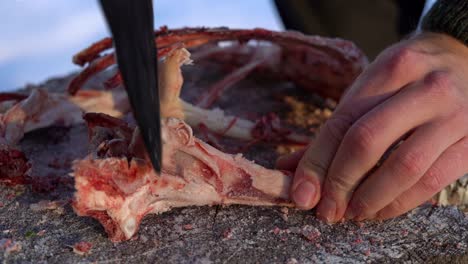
pixel 119 192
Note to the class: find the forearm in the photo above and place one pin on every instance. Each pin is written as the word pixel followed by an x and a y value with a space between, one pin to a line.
pixel 449 17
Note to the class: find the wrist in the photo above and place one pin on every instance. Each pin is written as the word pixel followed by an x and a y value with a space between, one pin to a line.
pixel 439 42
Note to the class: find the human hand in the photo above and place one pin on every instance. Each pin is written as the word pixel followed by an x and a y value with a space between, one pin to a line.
pixel 416 90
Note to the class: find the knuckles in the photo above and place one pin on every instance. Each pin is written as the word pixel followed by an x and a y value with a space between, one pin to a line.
pixel 336 127
pixel 432 182
pixel 361 138
pixel 398 59
pixel 311 166
pixel 440 84
pixel 445 92
pixel 410 164
pixel 337 183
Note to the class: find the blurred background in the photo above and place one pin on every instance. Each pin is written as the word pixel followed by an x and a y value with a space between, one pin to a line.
pixel 39 37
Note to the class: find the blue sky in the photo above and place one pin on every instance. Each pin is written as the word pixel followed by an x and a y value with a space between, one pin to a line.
pixel 39 37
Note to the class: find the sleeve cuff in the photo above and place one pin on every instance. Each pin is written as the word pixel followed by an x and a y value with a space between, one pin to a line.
pixel 449 17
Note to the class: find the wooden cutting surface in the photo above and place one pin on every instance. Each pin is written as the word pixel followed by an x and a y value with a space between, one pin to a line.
pixel 33 230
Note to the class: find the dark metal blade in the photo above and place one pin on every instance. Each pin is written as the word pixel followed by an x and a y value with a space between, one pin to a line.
pixel 131 23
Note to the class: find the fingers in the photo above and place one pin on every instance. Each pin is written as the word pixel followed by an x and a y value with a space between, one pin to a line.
pixel 289 162
pixel 384 78
pixel 404 167
pixel 312 168
pixel 450 166
pixel 395 68
pixel 368 139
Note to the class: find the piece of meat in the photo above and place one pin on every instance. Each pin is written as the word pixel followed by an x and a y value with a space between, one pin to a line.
pixel 41 109
pixel 14 166
pixel 119 187
pixel 116 184
pixel 325 65
pixel 170 85
pixel 330 64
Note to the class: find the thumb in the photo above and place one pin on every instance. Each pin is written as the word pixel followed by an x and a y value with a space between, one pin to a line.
pixel 314 164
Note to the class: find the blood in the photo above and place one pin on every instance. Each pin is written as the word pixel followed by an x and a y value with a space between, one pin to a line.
pixel 269 128
pixel 117 148
pixel 243 187
pixel 103 120
pixel 215 91
pixel 102 181
pixel 335 62
pixel 187 227
pixel 82 247
pixel 209 137
pixel 357 241
pixel 13 167
pixel 229 126
pixel 276 230
pixel 113 81
pixel 111 227
pixel 209 175
pixel 92 52
pixel 227 234
pixel 95 67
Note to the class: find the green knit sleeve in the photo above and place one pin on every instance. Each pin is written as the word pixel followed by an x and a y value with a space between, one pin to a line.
pixel 449 17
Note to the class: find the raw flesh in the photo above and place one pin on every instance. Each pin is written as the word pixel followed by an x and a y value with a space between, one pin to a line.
pixel 117 185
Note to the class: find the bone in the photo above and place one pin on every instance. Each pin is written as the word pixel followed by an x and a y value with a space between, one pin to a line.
pixel 119 192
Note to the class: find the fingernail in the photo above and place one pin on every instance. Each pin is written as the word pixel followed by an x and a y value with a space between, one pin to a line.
pixel 304 194
pixel 326 210
pixel 363 217
pixel 354 212
pixel 349 214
